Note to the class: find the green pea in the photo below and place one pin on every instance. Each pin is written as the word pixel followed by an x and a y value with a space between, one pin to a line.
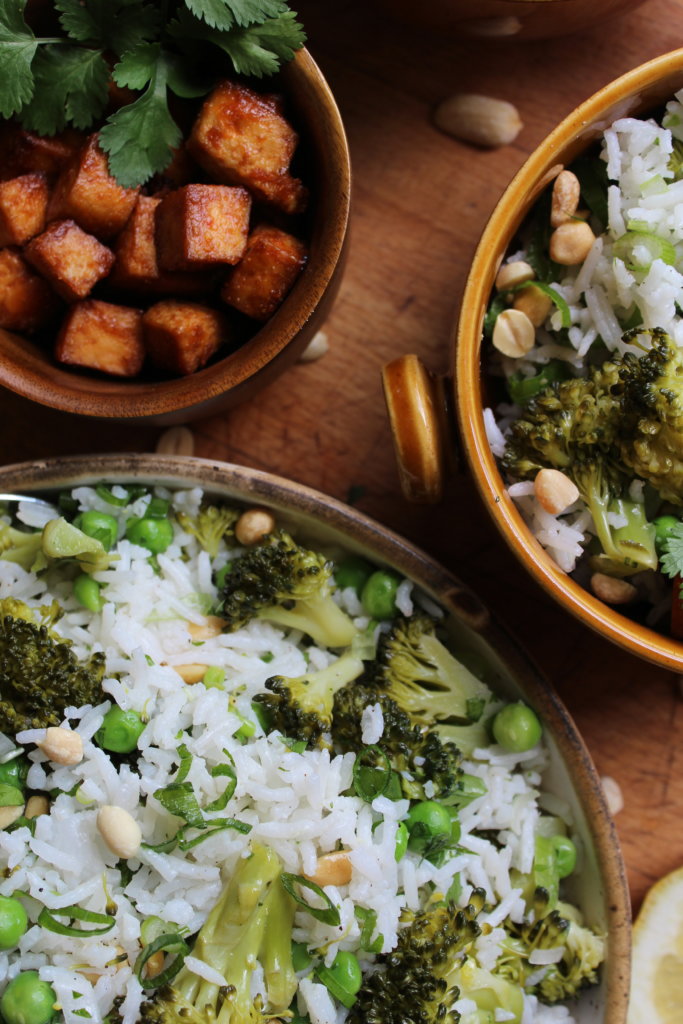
pixel 120 730
pixel 401 841
pixel 87 592
pixel 517 728
pixel 214 677
pixel 13 922
pixel 301 958
pixel 151 533
pixel 344 978
pixel 564 855
pixel 28 1000
pixel 14 772
pixel 99 525
pixel 663 526
pixel 427 820
pixel 378 596
pixel 354 571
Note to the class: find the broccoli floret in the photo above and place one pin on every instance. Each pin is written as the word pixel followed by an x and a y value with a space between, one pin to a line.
pixel 288 585
pixel 23 548
pixel 251 924
pixel 467 738
pixel 301 707
pixel 651 434
pixel 575 426
pixel 414 984
pixel 40 675
pixel 416 754
pixel 424 679
pixel 488 991
pixel 211 525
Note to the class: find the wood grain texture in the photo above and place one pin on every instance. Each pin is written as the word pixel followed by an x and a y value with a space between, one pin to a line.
pixel 421 200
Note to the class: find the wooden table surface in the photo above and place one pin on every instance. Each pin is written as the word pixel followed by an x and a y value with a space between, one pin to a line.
pixel 420 203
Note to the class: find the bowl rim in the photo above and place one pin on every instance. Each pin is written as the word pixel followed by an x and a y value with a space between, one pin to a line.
pixel 70 390
pixel 537 171
pixel 359 531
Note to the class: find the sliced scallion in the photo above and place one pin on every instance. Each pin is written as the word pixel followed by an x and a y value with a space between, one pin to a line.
pixel 47 919
pixel 170 943
pixel 371 780
pixel 329 914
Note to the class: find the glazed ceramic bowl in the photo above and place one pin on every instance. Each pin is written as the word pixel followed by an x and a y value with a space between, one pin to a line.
pixel 511 19
pixel 601 890
pixel 29 370
pixel 639 91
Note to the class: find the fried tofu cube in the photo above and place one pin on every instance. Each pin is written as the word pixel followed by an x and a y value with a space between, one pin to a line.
pixel 23 152
pixel 87 193
pixel 26 301
pixel 23 206
pixel 241 138
pixel 136 267
pixel 181 337
pixel 201 226
pixel 271 264
pixel 102 336
pixel 71 260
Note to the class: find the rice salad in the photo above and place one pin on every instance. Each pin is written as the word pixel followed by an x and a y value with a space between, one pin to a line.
pixel 118 854
pixel 596 282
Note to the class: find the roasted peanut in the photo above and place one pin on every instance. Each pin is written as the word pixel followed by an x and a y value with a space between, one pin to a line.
pixel 120 830
pixel 154 964
pixel 512 274
pixel 176 441
pixel 611 589
pixel 8 815
pixel 482 120
pixel 565 198
pixel 36 805
pixel 212 626
pixel 570 243
pixel 192 673
pixel 333 869
pixel 62 746
pixel 513 333
pixel 554 490
pixel 253 525
pixel 534 302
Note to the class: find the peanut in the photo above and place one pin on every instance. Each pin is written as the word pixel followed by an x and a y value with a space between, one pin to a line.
pixel 512 274
pixel 613 794
pixel 62 746
pixel 555 491
pixel 534 302
pixel 8 815
pixel 570 243
pixel 192 673
pixel 120 830
pixel 176 441
pixel 481 120
pixel 37 805
pixel 154 964
pixel 253 525
pixel 212 626
pixel 317 347
pixel 513 333
pixel 611 589
pixel 565 198
pixel 332 869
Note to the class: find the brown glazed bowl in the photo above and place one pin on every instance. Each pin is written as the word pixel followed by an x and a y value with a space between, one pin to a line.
pixel 638 91
pixel 510 19
pixel 30 371
pixel 601 891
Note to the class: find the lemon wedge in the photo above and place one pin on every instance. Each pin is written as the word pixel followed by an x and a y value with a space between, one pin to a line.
pixel 657 971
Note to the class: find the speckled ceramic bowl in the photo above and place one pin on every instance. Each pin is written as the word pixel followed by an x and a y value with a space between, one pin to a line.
pixel 29 369
pixel 600 890
pixel 639 91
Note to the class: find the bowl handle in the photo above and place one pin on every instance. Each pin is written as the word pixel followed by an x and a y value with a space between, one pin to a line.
pixel 422 427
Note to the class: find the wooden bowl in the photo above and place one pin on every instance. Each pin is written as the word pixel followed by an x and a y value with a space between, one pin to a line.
pixel 511 19
pixel 601 891
pixel 414 395
pixel 30 371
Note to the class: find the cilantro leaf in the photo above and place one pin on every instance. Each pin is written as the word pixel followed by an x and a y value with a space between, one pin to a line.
pixel 71 88
pixel 116 25
pixel 258 49
pixel 671 561
pixel 18 47
pixel 137 67
pixel 223 14
pixel 140 137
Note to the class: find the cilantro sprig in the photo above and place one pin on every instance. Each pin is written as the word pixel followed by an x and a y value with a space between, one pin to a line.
pixel 154 47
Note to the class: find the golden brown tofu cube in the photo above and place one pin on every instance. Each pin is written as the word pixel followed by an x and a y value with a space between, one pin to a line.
pixel 271 264
pixel 181 337
pixel 241 138
pixel 71 260
pixel 23 205
pixel 101 336
pixel 201 226
pixel 87 193
pixel 23 152
pixel 136 266
pixel 26 301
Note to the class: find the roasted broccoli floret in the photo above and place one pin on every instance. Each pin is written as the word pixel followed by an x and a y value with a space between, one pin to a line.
pixel 23 548
pixel 425 680
pixel 414 983
pixel 415 753
pixel 651 431
pixel 301 707
pixel 211 525
pixel 40 675
pixel 250 925
pixel 467 738
pixel 575 426
pixel 288 585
